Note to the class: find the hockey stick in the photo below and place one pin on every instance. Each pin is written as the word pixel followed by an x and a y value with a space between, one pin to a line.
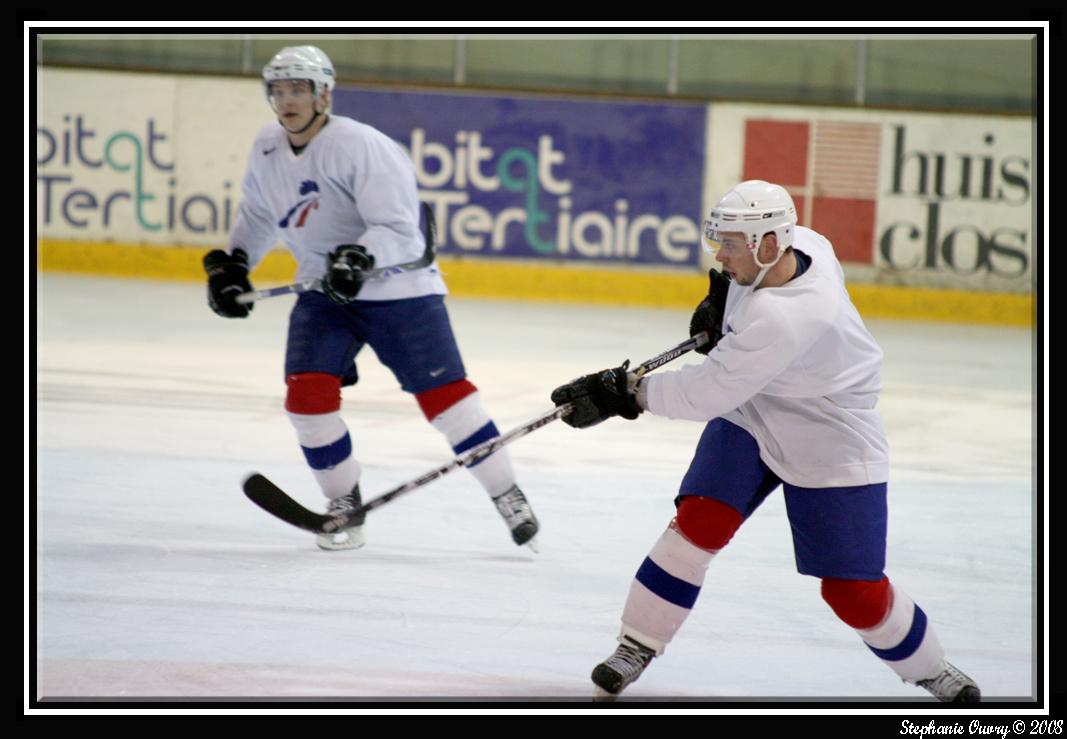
pixel 304 286
pixel 275 501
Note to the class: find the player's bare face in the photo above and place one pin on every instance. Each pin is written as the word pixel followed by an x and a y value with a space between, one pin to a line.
pixel 736 258
pixel 293 102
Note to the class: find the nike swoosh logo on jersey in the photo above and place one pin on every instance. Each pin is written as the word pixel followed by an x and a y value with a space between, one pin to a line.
pixel 268 151
pixel 436 372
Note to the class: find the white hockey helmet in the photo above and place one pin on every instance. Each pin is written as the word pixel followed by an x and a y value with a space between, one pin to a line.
pixel 753 208
pixel 301 63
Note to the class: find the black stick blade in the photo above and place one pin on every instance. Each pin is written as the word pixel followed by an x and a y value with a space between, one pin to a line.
pixel 274 501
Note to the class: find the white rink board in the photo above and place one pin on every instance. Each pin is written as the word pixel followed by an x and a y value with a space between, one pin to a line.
pixel 156 577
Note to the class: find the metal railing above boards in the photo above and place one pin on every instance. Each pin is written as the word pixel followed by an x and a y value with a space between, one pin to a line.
pixel 967 72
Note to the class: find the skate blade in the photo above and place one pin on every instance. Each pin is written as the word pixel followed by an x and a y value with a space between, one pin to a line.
pixel 349 539
pixel 534 546
pixel 602 696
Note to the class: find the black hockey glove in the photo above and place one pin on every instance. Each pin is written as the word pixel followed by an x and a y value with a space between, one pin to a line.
pixel 598 397
pixel 346 273
pixel 227 277
pixel 708 315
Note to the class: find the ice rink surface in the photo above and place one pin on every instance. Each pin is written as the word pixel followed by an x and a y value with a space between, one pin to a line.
pixel 156 577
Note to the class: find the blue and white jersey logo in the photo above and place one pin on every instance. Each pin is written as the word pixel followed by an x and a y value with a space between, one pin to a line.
pixel 305 206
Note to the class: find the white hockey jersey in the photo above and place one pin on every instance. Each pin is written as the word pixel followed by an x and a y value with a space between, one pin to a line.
pixel 799 371
pixel 351 185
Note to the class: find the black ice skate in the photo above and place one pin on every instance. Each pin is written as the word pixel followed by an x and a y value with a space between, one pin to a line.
pixel 515 510
pixel 350 537
pixel 622 668
pixel 951 686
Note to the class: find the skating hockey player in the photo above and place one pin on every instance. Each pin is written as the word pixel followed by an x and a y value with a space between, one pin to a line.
pixel 788 392
pixel 342 197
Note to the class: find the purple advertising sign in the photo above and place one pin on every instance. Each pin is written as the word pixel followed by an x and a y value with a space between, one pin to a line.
pixel 550 178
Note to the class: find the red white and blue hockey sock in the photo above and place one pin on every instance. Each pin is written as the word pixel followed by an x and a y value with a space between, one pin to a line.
pixel 456 411
pixel 664 590
pixel 313 404
pixel 905 641
pixel 668 582
pixel 327 447
pixel 890 624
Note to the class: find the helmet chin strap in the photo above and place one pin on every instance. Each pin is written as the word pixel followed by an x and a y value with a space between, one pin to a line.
pixel 764 268
pixel 297 133
pixel 314 118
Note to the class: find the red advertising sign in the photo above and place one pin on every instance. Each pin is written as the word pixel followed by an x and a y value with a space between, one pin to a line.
pixel 831 170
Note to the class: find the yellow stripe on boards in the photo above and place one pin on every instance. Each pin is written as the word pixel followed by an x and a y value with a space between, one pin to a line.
pixel 554 282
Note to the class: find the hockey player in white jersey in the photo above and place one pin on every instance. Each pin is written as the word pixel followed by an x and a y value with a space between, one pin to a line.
pixel 788 392
pixel 342 196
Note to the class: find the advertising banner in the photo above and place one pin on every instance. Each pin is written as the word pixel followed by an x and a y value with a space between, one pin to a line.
pixel 549 178
pixel 915 199
pixel 140 158
pixel 921 199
